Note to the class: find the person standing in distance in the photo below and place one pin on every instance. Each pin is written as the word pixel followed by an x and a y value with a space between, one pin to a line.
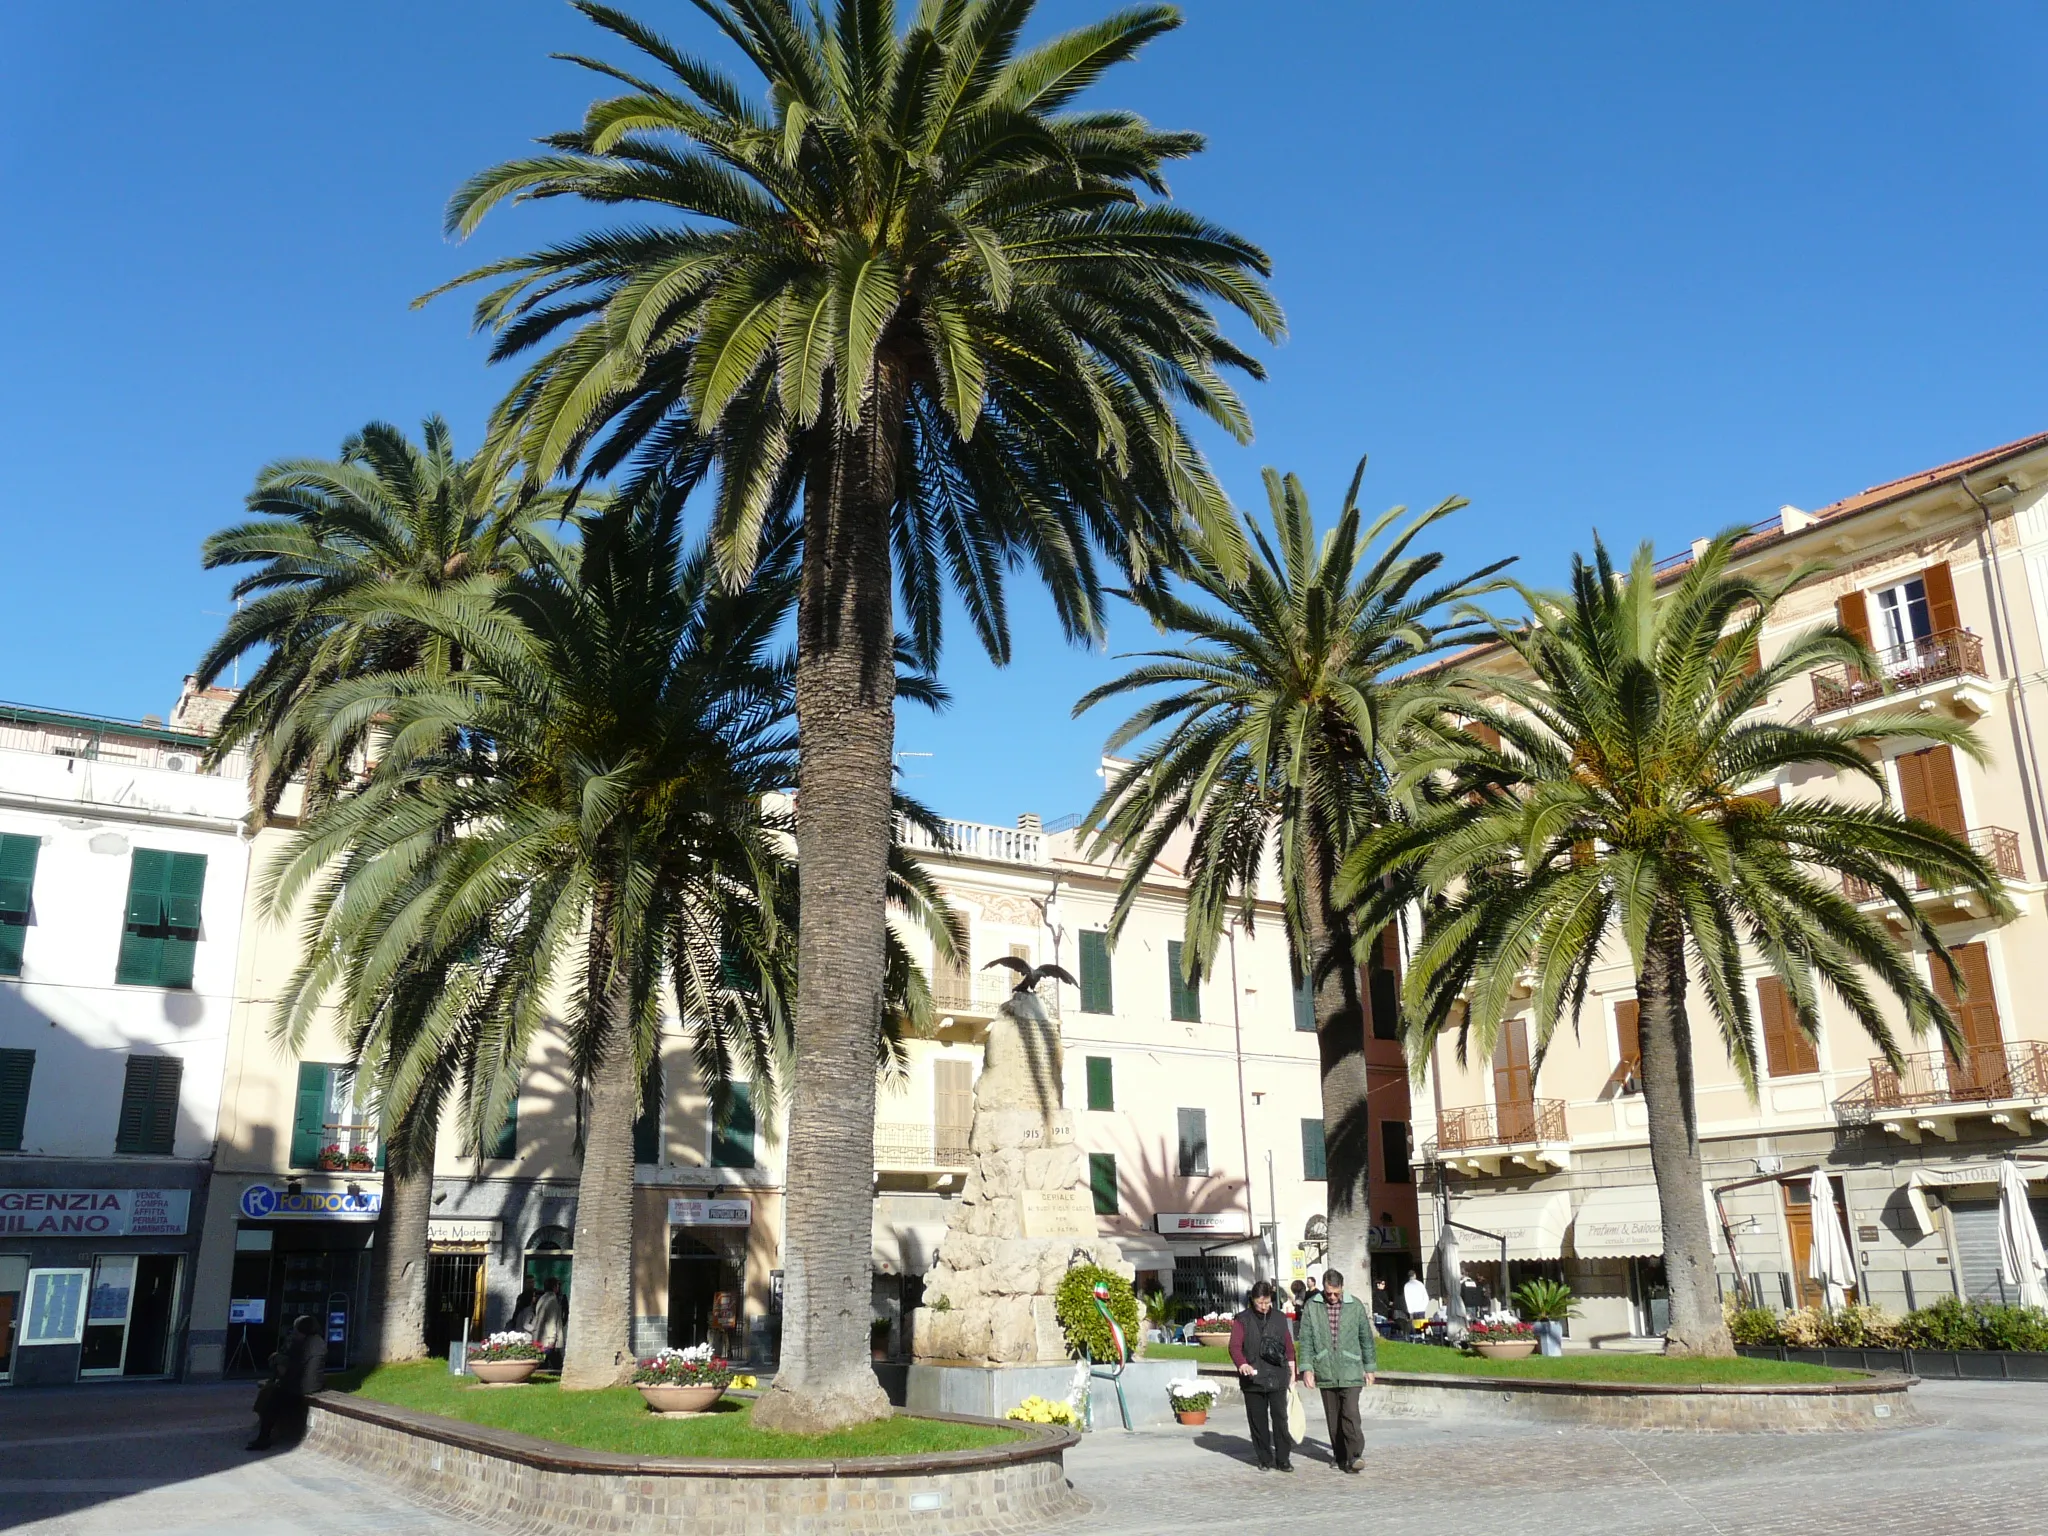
pixel 1262 1349
pixel 1415 1296
pixel 1338 1356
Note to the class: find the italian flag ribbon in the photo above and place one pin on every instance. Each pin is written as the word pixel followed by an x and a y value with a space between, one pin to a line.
pixel 1116 1332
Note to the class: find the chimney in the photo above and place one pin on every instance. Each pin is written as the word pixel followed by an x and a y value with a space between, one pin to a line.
pixel 1029 822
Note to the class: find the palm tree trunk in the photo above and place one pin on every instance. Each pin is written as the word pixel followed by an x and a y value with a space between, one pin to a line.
pixel 1697 1326
pixel 599 1351
pixel 846 724
pixel 399 1260
pixel 1340 1040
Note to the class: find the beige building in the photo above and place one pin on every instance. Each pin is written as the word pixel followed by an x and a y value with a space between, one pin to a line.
pixel 1947 573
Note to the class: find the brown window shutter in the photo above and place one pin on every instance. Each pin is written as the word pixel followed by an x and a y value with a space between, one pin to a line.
pixel 1978 1014
pixel 1941 599
pixel 1628 1026
pixel 1852 612
pixel 1483 733
pixel 1787 1051
pixel 1929 789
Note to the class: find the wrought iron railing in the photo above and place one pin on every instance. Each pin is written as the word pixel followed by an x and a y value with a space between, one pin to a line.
pixel 1980 1074
pixel 2000 847
pixel 910 1145
pixel 1514 1123
pixel 1900 669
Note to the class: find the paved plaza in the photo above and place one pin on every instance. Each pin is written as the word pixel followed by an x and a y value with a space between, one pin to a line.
pixel 146 1460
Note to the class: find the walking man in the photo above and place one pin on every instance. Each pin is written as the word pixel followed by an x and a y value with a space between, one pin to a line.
pixel 1338 1356
pixel 1263 1352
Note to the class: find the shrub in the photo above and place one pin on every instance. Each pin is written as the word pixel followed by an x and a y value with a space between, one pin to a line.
pixel 1190 1394
pixel 1802 1329
pixel 506 1346
pixel 1948 1324
pixel 2007 1327
pixel 1043 1410
pixel 692 1367
pixel 1860 1327
pixel 1752 1325
pixel 1085 1327
pixel 1545 1301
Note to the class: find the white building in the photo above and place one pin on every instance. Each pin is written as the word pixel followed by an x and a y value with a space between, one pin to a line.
pixel 122 875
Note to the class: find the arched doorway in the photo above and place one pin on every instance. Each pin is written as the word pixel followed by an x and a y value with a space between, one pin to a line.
pixel 550 1255
pixel 696 1273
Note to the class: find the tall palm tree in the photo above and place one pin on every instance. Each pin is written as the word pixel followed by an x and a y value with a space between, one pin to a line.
pixel 911 282
pixel 1275 733
pixel 330 538
pixel 593 805
pixel 1620 814
pixel 329 541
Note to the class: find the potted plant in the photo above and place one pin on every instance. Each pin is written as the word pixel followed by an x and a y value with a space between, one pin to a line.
pixel 683 1380
pixel 1545 1304
pixel 1213 1329
pixel 360 1161
pixel 1043 1410
pixel 504 1358
pixel 1192 1399
pixel 332 1159
pixel 1158 1309
pixel 1503 1339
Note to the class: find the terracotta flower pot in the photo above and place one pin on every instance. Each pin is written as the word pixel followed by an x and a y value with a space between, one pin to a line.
pixel 1192 1415
pixel 680 1399
pixel 497 1371
pixel 1506 1349
pixel 1217 1339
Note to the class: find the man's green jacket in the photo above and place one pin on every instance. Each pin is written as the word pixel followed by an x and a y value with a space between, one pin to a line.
pixel 1355 1353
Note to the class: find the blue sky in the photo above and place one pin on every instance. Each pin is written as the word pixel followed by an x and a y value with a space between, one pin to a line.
pixel 1645 268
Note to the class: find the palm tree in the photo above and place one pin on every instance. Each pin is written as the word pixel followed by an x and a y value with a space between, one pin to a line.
pixel 1275 732
pixel 592 805
pixel 1621 808
pixel 910 282
pixel 331 539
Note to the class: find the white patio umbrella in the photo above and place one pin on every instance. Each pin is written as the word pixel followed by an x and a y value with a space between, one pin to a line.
pixel 2022 1263
pixel 1829 1262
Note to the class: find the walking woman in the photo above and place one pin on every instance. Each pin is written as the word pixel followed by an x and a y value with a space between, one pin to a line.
pixel 1262 1347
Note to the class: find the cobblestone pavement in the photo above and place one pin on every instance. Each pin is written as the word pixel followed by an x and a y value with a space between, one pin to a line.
pixel 137 1461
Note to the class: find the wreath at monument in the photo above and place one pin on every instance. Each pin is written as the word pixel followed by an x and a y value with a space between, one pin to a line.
pixel 1085 1323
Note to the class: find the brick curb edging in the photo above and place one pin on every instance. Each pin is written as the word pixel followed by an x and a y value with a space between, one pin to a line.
pixel 1875 1402
pixel 521 1483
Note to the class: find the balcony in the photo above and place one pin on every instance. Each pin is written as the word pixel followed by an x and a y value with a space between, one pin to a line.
pixel 1479 1138
pixel 909 1147
pixel 978 996
pixel 2000 848
pixel 1022 844
pixel 1952 660
pixel 1932 1090
pixel 346 1147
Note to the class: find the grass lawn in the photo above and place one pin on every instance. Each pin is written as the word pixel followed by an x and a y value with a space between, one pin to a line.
pixel 618 1420
pixel 1435 1360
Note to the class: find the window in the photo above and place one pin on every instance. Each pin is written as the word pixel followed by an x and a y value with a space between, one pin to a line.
pixel 1383 985
pixel 1305 1007
pixel 1628 1037
pixel 1097 996
pixel 324 1114
pixel 17 885
pixel 1787 1049
pixel 647 1124
pixel 162 936
pixel 506 1147
pixel 1394 1152
pixel 149 1105
pixel 1102 1182
pixel 1901 616
pixel 1194 1143
pixel 1314 1165
pixel 1101 1083
pixel 732 1140
pixel 1186 995
pixel 16 1068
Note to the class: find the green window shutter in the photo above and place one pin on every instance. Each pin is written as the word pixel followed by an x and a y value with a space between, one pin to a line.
pixel 1313 1164
pixel 1194 1142
pixel 161 940
pixel 1101 1083
pixel 1096 994
pixel 149 1105
pixel 16 1070
pixel 1102 1182
pixel 17 890
pixel 147 868
pixel 184 886
pixel 732 1144
pixel 647 1124
pixel 506 1147
pixel 1187 995
pixel 309 1113
pixel 1305 1007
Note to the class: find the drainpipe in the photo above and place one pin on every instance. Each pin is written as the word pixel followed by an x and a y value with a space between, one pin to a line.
pixel 1244 1130
pixel 2016 690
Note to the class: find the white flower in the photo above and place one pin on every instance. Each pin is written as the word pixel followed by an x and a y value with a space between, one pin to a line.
pixel 510 1336
pixel 1189 1386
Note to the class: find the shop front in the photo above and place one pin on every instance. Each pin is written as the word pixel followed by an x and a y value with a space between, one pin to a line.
pixel 1204 1274
pixel 301 1250
pixel 92 1283
pixel 707 1272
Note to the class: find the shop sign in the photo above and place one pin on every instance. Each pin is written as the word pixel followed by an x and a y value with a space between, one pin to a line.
pixel 456 1230
pixel 711 1213
pixel 266 1202
pixel 1378 1237
pixel 1202 1224
pixel 94 1212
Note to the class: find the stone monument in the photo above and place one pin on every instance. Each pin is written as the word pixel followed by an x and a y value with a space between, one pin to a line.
pixel 1025 1215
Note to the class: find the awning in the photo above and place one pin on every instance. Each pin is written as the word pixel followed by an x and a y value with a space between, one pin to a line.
pixel 1532 1220
pixel 1622 1221
pixel 1946 1176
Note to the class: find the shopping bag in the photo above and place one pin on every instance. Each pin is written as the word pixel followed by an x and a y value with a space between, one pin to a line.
pixel 1297 1417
